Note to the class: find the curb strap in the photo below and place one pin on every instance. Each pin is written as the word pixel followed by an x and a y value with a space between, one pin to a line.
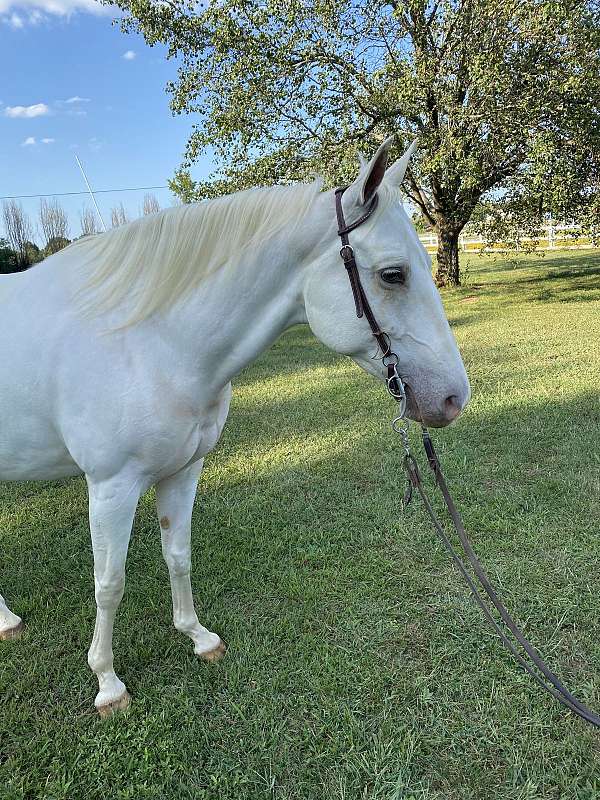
pixel 549 681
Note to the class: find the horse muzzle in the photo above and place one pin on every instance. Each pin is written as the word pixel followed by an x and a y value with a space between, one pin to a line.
pixel 435 408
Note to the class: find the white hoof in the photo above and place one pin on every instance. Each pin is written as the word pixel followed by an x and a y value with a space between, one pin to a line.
pixel 211 650
pixel 112 695
pixel 14 632
pixel 113 707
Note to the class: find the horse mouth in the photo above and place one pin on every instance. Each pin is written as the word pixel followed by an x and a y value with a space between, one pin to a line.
pixel 412 407
pixel 413 410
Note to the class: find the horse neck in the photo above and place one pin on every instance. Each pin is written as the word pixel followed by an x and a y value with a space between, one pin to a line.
pixel 239 312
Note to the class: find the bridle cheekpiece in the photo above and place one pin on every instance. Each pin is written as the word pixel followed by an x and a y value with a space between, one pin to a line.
pixel 390 359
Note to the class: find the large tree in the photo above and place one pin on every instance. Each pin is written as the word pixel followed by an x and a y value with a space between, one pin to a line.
pixel 287 88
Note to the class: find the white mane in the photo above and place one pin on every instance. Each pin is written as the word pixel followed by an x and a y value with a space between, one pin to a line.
pixel 155 260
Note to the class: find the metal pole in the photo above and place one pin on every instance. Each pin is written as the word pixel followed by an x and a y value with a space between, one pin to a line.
pixel 87 183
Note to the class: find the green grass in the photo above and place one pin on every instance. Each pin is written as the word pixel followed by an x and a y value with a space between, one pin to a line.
pixel 358 666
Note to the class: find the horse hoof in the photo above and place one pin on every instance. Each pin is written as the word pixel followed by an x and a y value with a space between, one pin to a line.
pixel 120 704
pixel 12 633
pixel 215 654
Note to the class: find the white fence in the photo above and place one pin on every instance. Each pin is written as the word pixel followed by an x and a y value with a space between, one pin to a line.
pixel 553 237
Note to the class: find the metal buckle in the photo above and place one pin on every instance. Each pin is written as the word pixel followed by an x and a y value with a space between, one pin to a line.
pixel 400 395
pixel 346 249
pixel 388 348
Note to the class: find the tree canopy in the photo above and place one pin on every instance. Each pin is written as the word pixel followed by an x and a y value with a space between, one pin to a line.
pixel 500 95
pixel 8 261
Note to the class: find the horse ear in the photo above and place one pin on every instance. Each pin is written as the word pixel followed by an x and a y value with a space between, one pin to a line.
pixel 396 172
pixel 371 174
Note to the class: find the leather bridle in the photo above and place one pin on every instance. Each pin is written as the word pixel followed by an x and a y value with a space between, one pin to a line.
pixel 535 666
pixel 363 307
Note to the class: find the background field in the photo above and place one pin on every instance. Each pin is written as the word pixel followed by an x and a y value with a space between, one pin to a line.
pixel 358 666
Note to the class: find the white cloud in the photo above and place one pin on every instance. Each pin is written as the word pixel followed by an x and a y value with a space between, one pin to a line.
pixel 29 140
pixel 19 19
pixel 77 99
pixel 27 112
pixel 129 55
pixel 34 11
pixel 48 141
pixel 95 144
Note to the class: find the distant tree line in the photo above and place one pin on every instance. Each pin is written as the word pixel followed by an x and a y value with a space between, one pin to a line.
pixel 18 248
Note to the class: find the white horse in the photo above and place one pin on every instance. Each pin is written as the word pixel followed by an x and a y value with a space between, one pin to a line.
pixel 117 355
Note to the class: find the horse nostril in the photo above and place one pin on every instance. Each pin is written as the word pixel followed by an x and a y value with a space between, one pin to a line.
pixel 452 407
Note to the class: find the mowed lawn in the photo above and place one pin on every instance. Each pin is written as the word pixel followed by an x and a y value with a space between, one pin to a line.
pixel 358 666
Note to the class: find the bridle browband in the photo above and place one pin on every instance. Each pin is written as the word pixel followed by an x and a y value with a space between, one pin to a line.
pixel 547 679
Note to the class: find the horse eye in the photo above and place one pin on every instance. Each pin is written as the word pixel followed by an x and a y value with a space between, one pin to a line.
pixel 393 275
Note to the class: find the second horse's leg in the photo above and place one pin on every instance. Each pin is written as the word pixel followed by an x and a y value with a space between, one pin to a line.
pixel 174 504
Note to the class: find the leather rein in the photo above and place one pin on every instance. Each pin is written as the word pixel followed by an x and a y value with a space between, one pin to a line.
pixel 483 591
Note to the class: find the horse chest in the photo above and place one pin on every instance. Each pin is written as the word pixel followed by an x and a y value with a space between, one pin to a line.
pixel 208 425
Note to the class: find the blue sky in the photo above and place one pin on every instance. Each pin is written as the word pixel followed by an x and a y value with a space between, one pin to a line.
pixel 74 84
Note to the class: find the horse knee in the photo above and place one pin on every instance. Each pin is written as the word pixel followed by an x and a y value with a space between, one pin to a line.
pixel 109 590
pixel 178 561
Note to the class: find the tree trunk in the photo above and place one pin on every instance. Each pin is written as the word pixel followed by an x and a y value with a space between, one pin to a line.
pixel 447 272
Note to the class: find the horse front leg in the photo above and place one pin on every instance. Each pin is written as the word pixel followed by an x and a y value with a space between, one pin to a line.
pixel 112 506
pixel 174 504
